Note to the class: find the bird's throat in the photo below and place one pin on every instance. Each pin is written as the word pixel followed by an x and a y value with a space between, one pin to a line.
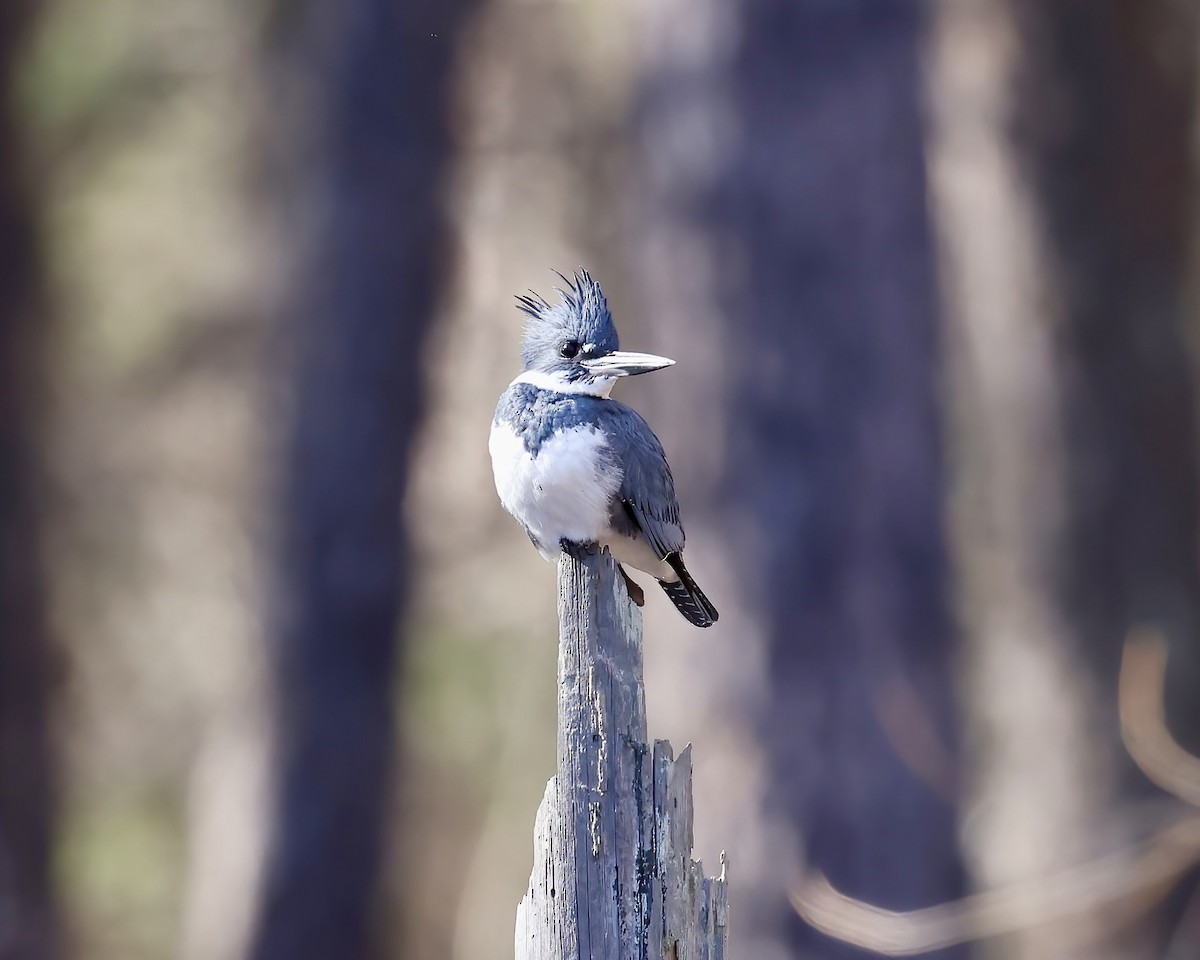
pixel 590 387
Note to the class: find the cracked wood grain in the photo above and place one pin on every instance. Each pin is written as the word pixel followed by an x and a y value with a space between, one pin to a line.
pixel 613 877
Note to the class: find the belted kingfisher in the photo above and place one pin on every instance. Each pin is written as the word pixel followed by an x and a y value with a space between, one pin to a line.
pixel 578 470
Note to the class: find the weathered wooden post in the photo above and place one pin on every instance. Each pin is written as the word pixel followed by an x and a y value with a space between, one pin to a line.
pixel 613 877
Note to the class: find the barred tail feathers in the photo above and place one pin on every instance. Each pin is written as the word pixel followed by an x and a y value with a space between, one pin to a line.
pixel 687 596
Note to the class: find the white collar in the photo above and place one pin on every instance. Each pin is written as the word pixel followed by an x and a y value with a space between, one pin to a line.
pixel 600 387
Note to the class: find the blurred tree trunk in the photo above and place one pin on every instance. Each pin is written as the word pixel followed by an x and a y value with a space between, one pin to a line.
pixel 1110 155
pixel 1035 772
pixel 364 152
pixel 27 910
pixel 796 155
pixel 1061 158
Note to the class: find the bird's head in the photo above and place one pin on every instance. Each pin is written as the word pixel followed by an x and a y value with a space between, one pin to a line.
pixel 572 346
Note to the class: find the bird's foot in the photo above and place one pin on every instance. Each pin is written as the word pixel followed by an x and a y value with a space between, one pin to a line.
pixel 636 594
pixel 577 551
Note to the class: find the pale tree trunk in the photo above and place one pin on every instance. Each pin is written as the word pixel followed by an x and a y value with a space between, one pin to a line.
pixel 1035 776
pixel 28 925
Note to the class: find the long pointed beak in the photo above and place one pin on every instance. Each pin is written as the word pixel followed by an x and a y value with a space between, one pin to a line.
pixel 622 364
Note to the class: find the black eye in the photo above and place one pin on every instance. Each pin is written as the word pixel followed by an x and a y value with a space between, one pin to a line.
pixel 568 349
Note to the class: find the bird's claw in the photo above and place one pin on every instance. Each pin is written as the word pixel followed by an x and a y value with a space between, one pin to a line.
pixel 576 551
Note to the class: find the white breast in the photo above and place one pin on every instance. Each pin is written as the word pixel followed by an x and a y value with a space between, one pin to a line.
pixel 562 493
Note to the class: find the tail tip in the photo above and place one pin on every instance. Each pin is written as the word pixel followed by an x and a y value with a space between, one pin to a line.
pixel 696 608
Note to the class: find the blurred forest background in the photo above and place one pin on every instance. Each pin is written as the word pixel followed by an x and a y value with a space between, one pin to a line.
pixel 276 671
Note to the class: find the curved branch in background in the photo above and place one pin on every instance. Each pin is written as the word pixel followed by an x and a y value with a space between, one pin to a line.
pixel 1144 719
pixel 1132 881
pixel 914 735
pixel 1125 885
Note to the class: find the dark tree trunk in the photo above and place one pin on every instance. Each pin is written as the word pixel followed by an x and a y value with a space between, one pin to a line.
pixel 836 455
pixel 27 912
pixel 813 195
pixel 1112 161
pixel 365 164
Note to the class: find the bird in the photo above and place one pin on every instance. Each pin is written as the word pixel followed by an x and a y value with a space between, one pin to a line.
pixel 578 470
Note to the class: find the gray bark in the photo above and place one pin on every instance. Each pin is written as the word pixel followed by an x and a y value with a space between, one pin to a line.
pixel 612 876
